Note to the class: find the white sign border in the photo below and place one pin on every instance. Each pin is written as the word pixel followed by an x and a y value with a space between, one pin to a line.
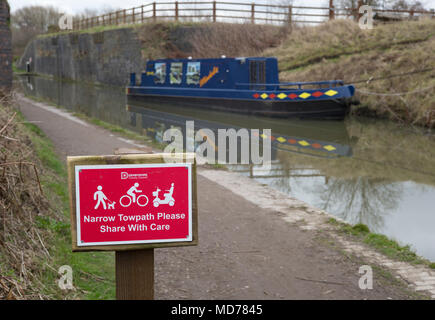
pixel 130 166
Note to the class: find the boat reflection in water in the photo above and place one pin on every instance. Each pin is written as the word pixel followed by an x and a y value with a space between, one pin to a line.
pixel 328 140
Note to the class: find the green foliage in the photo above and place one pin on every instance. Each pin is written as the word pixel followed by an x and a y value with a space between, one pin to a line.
pixel 391 248
pixel 361 228
pixel 45 151
pixel 379 242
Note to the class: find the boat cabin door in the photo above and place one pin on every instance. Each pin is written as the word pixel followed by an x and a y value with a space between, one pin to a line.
pixel 257 74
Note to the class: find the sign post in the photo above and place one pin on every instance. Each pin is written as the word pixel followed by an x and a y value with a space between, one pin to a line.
pixel 132 204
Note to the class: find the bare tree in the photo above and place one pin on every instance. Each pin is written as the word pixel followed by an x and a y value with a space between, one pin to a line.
pixel 35 19
pixel 28 22
pixel 407 5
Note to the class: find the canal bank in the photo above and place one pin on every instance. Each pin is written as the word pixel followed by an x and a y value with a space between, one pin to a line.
pixel 391 65
pixel 246 250
pixel 372 172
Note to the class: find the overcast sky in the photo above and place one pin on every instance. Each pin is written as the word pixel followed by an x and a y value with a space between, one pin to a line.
pixel 76 6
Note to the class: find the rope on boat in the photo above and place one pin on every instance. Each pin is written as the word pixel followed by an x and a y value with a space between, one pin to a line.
pixel 393 94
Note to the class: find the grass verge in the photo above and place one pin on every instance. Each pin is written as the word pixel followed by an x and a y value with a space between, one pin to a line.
pixel 381 243
pixel 48 218
pixel 93 272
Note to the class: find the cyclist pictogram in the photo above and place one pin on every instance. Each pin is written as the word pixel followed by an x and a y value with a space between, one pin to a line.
pixel 130 197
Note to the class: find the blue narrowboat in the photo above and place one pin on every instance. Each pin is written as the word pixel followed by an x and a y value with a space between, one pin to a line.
pixel 243 85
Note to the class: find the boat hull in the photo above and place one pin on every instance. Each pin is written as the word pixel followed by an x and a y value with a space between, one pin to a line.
pixel 333 109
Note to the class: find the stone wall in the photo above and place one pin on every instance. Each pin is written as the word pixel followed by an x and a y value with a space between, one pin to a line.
pixel 104 57
pixel 109 56
pixel 5 48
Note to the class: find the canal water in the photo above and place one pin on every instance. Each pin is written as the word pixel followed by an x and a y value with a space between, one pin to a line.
pixel 361 170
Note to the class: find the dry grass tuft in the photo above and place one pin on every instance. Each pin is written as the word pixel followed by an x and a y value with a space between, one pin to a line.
pixel 372 59
pixel 22 244
pixel 207 40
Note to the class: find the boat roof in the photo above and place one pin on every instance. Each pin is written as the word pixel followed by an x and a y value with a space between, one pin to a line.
pixel 223 58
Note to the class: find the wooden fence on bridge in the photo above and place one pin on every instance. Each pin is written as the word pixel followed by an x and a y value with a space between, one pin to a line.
pixel 235 12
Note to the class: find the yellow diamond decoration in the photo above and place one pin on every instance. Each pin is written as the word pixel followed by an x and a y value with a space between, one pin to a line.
pixel 281 139
pixel 304 143
pixel 282 95
pixel 264 95
pixel 329 147
pixel 263 136
pixel 304 95
pixel 331 93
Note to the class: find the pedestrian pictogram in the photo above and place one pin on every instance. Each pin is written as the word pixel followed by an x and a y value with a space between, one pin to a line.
pixel 101 198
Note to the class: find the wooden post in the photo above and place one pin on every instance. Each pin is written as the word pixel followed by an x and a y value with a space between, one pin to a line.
pixel 134 269
pixel 141 14
pixel 133 19
pixel 359 15
pixel 214 11
pixel 253 13
pixel 331 10
pixel 290 13
pixel 154 12
pixel 125 16
pixel 135 274
pixel 116 17
pixel 176 10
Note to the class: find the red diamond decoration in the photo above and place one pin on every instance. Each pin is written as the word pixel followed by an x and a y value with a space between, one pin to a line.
pixel 292 141
pixel 256 95
pixel 292 96
pixel 317 94
pixel 272 96
pixel 316 145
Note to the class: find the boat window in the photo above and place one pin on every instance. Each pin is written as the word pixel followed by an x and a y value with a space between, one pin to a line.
pixel 257 74
pixel 176 72
pixel 193 72
pixel 160 73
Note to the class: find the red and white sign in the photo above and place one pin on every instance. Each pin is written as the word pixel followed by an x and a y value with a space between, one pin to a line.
pixel 129 204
